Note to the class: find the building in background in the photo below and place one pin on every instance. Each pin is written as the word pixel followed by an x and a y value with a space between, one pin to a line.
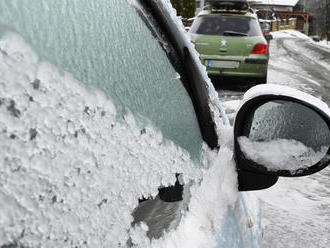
pixel 285 10
pixel 312 16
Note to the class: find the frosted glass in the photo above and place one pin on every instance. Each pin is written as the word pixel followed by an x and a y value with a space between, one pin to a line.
pixel 288 120
pixel 105 44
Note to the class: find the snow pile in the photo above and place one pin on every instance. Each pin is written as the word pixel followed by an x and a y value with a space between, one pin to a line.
pixel 285 154
pixel 290 34
pixel 296 34
pixel 323 43
pixel 72 172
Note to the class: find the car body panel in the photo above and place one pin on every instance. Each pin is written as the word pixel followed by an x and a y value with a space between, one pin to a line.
pixel 241 226
pixel 225 45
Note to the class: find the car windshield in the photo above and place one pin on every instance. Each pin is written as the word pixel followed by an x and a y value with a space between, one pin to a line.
pixel 226 25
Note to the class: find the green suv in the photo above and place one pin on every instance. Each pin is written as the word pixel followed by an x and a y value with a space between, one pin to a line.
pixel 231 44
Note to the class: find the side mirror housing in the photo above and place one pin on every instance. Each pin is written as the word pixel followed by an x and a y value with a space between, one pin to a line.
pixel 268 37
pixel 279 131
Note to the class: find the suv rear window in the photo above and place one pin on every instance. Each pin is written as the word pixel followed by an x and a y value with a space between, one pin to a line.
pixel 226 25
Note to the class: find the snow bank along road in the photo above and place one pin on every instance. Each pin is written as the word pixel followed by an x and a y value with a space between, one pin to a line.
pixel 296 212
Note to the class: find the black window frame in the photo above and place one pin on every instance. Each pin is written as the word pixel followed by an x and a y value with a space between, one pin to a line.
pixel 189 71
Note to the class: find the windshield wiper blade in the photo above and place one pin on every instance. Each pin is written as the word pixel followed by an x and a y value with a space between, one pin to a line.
pixel 233 33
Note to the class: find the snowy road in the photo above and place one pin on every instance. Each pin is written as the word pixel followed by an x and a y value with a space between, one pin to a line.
pixel 302 65
pixel 296 212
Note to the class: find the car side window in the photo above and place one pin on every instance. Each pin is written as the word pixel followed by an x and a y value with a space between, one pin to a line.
pixel 110 47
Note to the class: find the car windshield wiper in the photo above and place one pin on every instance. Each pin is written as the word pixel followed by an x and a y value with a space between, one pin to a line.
pixel 233 33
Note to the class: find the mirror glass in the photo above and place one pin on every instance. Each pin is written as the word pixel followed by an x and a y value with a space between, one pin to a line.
pixel 268 37
pixel 284 135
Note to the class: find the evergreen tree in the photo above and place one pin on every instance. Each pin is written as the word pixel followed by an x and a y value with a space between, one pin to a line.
pixel 184 8
pixel 328 19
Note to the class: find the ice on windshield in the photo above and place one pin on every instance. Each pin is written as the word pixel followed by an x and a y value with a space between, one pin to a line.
pixel 73 172
pixel 99 46
pixel 281 154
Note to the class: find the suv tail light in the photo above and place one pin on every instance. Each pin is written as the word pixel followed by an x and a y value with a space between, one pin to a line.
pixel 259 48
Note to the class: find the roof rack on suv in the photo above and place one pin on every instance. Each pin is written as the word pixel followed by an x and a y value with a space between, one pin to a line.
pixel 228 5
pixel 209 10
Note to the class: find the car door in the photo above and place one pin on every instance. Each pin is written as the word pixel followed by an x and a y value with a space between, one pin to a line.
pixel 100 107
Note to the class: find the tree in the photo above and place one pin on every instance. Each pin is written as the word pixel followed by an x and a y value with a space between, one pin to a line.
pixel 328 19
pixel 320 10
pixel 184 8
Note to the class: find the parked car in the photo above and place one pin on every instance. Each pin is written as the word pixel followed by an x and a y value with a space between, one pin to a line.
pixel 231 43
pixel 112 134
pixel 265 27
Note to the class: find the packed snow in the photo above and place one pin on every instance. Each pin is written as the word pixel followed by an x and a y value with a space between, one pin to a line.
pixel 324 43
pixel 290 33
pixel 290 155
pixel 296 34
pixel 295 212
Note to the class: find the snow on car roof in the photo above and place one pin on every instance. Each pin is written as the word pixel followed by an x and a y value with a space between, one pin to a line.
pixel 277 2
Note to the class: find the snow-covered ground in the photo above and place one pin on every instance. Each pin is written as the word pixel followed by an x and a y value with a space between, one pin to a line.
pixel 296 211
pixel 324 43
pixel 297 34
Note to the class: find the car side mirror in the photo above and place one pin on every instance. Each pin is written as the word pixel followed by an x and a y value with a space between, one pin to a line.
pixel 268 37
pixel 279 131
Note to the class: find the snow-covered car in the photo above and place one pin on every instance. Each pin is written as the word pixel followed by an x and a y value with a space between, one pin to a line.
pixel 112 134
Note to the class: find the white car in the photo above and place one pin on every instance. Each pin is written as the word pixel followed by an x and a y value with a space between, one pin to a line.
pixel 112 135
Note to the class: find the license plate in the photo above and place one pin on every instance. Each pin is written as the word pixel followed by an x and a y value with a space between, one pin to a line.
pixel 222 64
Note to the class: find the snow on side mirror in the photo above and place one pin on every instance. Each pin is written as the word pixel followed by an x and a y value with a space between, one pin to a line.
pixel 279 131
